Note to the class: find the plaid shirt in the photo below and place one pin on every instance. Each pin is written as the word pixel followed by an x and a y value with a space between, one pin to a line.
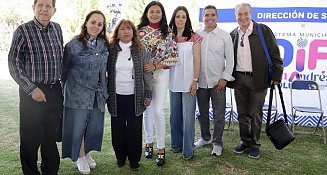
pixel 36 55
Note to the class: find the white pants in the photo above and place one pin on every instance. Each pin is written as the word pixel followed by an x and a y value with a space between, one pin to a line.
pixel 154 113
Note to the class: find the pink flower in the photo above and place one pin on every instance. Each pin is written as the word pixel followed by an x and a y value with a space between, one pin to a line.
pixel 141 33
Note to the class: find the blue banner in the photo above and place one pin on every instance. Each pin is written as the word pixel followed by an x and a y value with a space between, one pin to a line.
pixel 288 14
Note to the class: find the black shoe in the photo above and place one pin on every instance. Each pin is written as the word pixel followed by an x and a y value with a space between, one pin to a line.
pixel 120 163
pixel 254 153
pixel 240 149
pixel 148 151
pixel 160 160
pixel 135 167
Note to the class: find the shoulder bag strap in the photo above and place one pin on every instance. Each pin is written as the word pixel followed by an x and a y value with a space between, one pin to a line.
pixel 272 87
pixel 282 102
pixel 264 45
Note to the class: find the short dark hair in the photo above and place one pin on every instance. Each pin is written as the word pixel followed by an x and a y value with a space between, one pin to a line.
pixel 53 2
pixel 163 22
pixel 210 7
pixel 188 31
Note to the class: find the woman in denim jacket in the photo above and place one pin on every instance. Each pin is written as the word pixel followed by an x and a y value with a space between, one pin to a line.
pixel 85 91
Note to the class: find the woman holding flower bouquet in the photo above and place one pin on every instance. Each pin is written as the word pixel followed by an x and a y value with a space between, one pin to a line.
pixel 157 39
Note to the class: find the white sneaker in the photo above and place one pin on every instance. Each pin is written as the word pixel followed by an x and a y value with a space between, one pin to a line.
pixel 90 161
pixel 82 165
pixel 201 143
pixel 216 150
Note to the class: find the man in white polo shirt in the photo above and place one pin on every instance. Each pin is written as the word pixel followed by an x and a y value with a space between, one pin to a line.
pixel 217 62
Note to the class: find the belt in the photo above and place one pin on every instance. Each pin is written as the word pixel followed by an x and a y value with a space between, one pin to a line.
pixel 55 82
pixel 51 85
pixel 245 73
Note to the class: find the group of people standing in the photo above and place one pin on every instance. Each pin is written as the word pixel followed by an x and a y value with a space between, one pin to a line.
pixel 131 74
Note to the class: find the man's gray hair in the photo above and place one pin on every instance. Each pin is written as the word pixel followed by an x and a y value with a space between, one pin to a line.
pixel 243 5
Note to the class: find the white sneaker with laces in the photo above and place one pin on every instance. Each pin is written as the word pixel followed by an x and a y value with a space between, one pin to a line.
pixel 201 143
pixel 82 165
pixel 216 150
pixel 90 161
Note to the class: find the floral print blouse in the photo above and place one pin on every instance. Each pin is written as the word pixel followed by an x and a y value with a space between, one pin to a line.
pixel 163 50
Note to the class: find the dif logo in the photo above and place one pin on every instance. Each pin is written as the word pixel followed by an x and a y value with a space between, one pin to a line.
pixel 315 54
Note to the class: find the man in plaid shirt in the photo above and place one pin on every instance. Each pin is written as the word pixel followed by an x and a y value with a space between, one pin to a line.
pixel 35 63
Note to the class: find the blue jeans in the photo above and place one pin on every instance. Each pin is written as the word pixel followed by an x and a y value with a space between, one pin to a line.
pixel 182 119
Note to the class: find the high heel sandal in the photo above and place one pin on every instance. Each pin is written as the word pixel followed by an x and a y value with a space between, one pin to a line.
pixel 148 151
pixel 160 160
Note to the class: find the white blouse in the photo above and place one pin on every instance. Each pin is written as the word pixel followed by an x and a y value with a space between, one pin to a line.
pixel 181 75
pixel 124 70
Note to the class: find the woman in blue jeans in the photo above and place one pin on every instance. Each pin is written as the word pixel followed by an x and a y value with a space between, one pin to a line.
pixel 85 91
pixel 183 83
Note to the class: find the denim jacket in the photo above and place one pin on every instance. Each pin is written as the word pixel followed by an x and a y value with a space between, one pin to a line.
pixel 84 75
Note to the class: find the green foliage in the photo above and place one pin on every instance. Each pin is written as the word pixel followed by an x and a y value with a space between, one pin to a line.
pixel 94 4
pixel 78 9
pixel 135 10
pixel 194 11
pixel 71 14
pixel 11 16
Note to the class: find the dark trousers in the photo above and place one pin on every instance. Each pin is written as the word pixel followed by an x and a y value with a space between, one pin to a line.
pixel 249 108
pixel 126 130
pixel 218 101
pixel 38 126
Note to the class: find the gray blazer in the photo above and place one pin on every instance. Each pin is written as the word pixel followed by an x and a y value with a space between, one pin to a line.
pixel 143 80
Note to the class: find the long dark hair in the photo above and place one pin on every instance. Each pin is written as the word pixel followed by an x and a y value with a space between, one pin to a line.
pixel 135 40
pixel 83 33
pixel 188 31
pixel 163 22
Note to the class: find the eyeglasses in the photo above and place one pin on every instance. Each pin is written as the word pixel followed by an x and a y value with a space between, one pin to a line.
pixel 242 40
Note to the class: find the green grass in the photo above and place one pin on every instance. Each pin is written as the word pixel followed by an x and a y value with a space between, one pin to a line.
pixel 306 155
